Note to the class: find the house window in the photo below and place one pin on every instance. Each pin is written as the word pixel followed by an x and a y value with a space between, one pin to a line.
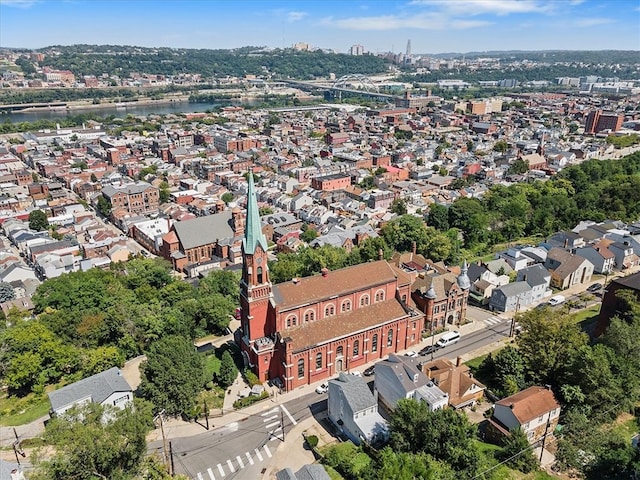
pixel 309 316
pixel 346 306
pixel 530 435
pixel 364 300
pixel 540 418
pixel 404 299
pixel 300 368
pixel 339 351
pixel 379 296
pixel 318 361
pixel 436 309
pixel 390 337
pixel 329 310
pixel 374 343
pixel 356 348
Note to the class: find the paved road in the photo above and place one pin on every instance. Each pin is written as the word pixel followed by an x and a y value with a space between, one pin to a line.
pixel 241 450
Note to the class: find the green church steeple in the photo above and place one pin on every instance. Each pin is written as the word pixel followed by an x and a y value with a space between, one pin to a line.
pixel 253 235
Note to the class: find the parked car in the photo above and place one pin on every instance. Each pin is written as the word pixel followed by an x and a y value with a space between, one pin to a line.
pixel 541 305
pixel 430 349
pixel 596 287
pixel 557 300
pixel 322 388
pixel 369 371
pixel 411 354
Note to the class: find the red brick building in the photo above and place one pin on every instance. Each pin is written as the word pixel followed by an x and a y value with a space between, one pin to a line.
pixel 597 121
pixel 328 183
pixel 135 198
pixel 309 329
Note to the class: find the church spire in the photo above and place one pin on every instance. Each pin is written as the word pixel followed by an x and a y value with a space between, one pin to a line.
pixel 253 235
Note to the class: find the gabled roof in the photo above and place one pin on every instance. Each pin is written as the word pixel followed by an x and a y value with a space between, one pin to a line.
pixel 98 387
pixel 530 403
pixel 405 370
pixel 355 391
pixel 204 230
pixel 535 275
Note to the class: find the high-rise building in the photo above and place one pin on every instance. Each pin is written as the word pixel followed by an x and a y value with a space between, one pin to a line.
pixel 356 50
pixel 597 121
pixel 409 48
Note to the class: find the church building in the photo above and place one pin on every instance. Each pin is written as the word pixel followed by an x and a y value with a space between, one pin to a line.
pixel 310 329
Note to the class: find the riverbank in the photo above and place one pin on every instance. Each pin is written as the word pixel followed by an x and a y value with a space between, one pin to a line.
pixel 89 105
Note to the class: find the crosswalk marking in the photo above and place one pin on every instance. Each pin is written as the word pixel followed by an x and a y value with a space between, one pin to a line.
pixel 286 412
pixel 210 472
pixel 200 477
pixel 493 320
pixel 249 458
pixel 258 454
pixel 240 462
pixel 272 417
pixel 230 466
pixel 270 412
pixel 271 425
pixel 220 470
pixel 267 451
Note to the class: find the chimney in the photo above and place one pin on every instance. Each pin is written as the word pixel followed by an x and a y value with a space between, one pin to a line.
pixel 458 361
pixel 325 272
pixel 413 247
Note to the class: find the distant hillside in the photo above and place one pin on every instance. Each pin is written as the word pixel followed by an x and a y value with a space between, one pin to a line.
pixel 123 60
pixel 607 57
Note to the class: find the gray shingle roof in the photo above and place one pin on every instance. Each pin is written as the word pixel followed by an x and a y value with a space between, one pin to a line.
pixel 204 230
pixel 98 387
pixel 355 390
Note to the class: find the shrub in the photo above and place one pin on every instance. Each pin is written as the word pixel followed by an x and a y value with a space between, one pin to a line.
pixel 312 441
pixel 245 402
pixel 251 378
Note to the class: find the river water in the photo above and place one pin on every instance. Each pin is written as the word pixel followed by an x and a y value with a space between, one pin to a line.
pixel 131 109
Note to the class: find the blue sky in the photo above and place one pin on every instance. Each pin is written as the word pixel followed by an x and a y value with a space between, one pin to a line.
pixel 434 26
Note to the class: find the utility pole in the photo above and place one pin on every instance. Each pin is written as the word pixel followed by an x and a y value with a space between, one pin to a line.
pixel 206 413
pixel 17 449
pixel 165 452
pixel 282 423
pixel 513 320
pixel 544 437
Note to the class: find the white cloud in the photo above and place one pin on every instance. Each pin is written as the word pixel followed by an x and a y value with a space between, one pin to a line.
pixel 480 7
pixel 18 3
pixel 424 21
pixel 591 22
pixel 296 16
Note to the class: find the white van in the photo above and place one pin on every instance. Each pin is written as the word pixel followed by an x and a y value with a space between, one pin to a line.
pixel 557 300
pixel 448 338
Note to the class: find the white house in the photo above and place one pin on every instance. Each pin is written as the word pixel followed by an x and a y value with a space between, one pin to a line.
pixel 106 388
pixel 354 410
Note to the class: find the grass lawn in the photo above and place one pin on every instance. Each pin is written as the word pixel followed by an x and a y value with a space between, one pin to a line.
pixel 333 475
pixel 211 366
pixel 19 411
pixel 626 426
pixel 587 315
pixel 474 363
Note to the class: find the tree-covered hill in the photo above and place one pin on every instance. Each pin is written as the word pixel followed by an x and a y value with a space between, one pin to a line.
pixel 122 60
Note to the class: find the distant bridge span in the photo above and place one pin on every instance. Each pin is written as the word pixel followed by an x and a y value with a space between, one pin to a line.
pixel 26 106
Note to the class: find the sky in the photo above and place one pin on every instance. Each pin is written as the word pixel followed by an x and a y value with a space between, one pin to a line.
pixel 433 26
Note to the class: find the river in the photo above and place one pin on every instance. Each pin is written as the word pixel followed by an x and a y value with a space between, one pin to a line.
pixel 133 109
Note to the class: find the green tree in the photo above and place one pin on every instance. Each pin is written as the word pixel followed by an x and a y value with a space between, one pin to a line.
pixel 228 370
pixel 407 466
pixel 172 375
pixel 438 217
pixel 309 235
pixel 103 206
pixel 227 197
pixel 500 146
pixel 518 167
pixel 506 371
pixel 518 444
pixel 86 446
pixel 548 344
pixel 6 292
pixel 444 434
pixel 399 206
pixel 163 192
pixel 215 312
pixel 100 359
pixel 224 282
pixel 38 220
pixel 400 233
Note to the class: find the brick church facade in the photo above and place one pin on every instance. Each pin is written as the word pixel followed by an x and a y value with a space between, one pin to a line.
pixel 312 328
